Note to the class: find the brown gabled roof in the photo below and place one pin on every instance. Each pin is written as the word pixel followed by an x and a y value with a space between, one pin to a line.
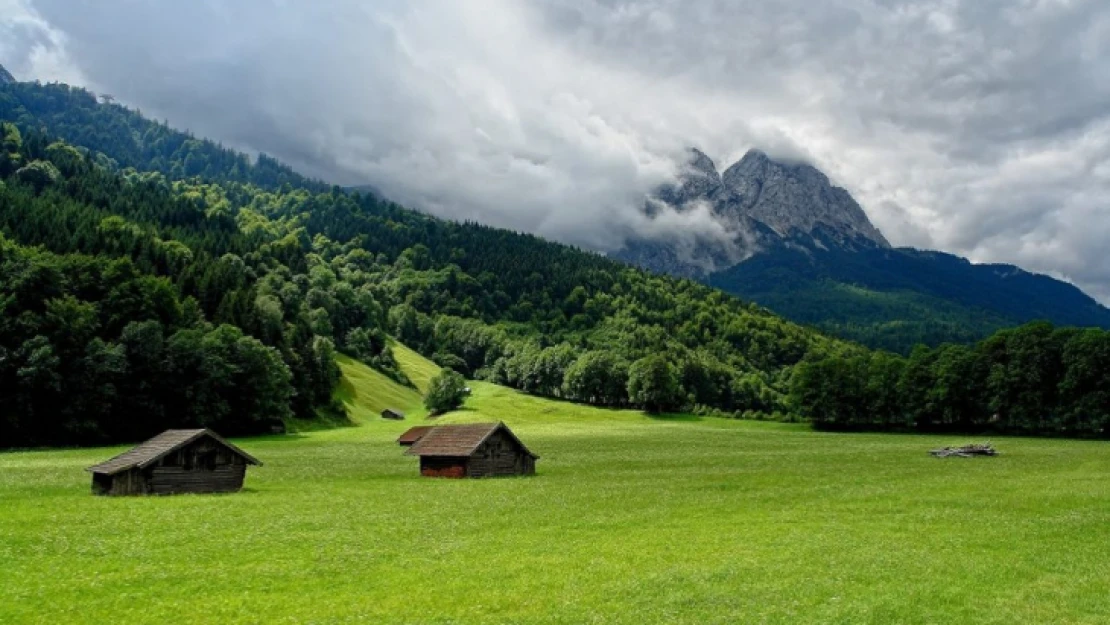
pixel 149 452
pixel 413 434
pixel 459 440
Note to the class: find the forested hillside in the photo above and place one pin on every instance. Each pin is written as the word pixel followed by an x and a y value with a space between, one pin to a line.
pixel 156 280
pixel 895 299
pixel 152 279
pixel 118 137
pixel 1035 379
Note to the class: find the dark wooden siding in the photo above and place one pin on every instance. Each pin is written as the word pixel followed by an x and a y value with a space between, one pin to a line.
pixel 225 479
pixel 102 484
pixel 131 482
pixel 204 454
pixel 203 466
pixel 500 455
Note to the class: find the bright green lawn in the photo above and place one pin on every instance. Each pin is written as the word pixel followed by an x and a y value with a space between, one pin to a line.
pixel 419 370
pixel 630 520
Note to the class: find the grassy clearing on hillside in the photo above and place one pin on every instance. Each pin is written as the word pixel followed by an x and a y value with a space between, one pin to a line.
pixel 365 392
pixel 630 520
pixel 417 368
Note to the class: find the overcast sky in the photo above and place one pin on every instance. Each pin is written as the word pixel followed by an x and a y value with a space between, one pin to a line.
pixel 978 127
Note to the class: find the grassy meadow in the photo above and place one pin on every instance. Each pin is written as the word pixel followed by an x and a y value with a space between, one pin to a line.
pixel 630 519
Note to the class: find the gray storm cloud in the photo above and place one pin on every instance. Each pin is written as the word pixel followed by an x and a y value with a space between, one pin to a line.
pixel 981 128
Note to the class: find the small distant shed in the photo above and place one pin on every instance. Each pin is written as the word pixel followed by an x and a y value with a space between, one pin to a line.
pixel 412 435
pixel 175 461
pixel 475 450
pixel 396 415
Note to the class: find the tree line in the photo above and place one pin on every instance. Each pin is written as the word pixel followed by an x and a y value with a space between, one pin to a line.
pixel 1035 379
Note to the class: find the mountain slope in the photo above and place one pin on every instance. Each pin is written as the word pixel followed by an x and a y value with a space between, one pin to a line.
pixel 128 139
pixel 806 250
pixel 154 280
pixel 896 298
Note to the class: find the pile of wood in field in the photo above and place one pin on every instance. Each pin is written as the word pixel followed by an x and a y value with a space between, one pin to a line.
pixel 967 451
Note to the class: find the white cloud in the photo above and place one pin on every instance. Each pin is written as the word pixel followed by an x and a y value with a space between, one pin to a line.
pixel 979 128
pixel 30 47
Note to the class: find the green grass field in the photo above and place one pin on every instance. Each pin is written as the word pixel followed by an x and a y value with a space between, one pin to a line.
pixel 630 520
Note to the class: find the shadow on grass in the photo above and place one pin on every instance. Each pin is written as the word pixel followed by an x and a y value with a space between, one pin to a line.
pixel 245 491
pixel 678 417
pixel 439 415
pixel 279 438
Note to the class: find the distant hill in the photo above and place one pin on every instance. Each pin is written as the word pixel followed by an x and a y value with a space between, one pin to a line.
pixel 805 249
pixel 6 76
pixel 896 298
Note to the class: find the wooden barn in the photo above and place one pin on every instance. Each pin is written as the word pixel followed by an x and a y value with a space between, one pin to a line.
pixel 478 450
pixel 175 461
pixel 396 415
pixel 412 435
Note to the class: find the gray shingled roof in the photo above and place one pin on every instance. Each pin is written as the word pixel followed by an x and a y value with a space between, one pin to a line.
pixel 149 452
pixel 459 440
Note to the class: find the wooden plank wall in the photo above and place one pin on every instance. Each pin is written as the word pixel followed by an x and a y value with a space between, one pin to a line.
pixel 227 478
pixel 499 456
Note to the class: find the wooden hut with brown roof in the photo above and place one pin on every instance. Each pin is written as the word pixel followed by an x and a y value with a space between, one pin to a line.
pixel 474 450
pixel 413 434
pixel 175 461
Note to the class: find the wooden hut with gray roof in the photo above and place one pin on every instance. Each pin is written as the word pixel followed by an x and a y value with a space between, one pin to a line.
pixel 175 461
pixel 474 450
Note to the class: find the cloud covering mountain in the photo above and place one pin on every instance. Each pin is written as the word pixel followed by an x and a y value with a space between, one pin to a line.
pixel 981 128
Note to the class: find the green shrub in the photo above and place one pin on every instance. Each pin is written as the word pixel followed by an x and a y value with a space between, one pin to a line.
pixel 446 392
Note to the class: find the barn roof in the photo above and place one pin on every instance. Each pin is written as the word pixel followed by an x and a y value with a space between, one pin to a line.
pixel 459 440
pixel 149 452
pixel 414 434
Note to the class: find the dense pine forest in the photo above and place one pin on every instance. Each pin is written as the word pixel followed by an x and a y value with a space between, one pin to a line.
pixel 151 279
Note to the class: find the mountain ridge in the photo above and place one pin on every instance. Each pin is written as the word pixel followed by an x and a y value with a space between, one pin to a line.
pixel 805 248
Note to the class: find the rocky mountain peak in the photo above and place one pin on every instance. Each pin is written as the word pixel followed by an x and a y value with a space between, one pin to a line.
pixel 797 200
pixel 793 200
pixel 700 162
pixel 698 179
pixel 764 203
pixel 6 76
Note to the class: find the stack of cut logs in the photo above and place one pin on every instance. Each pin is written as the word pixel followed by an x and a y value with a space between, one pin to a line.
pixel 967 451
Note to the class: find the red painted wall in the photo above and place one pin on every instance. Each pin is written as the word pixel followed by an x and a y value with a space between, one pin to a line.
pixel 455 470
